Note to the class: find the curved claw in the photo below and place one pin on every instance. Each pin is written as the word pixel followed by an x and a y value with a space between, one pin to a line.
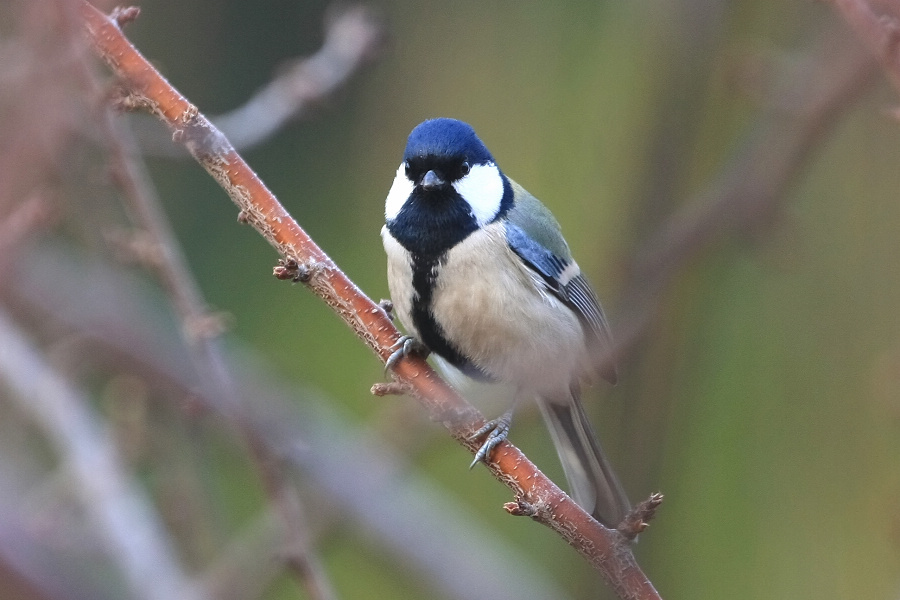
pixel 404 346
pixel 497 430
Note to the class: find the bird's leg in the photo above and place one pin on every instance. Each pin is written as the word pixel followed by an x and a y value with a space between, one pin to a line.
pixel 405 346
pixel 496 431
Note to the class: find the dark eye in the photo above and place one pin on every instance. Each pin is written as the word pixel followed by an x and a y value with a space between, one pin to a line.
pixel 407 170
pixel 465 168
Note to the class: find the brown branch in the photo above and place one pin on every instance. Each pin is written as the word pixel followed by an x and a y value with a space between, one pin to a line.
pixel 605 549
pixel 638 520
pixel 200 332
pixel 124 329
pixel 158 250
pixel 880 33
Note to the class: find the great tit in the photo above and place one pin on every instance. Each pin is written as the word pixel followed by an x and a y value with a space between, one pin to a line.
pixel 480 275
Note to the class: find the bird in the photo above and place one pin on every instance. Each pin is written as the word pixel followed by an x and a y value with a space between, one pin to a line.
pixel 480 275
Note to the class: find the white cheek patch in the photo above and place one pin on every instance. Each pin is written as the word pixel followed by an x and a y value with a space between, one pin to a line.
pixel 482 188
pixel 400 191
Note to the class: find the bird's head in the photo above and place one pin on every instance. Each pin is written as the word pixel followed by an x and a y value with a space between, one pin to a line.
pixel 446 168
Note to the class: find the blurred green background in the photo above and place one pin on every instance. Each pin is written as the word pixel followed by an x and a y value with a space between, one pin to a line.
pixel 763 399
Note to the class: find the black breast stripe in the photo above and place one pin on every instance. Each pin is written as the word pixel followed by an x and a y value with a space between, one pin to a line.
pixel 425 271
pixel 428 226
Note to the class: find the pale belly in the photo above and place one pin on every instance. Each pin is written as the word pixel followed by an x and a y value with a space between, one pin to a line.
pixel 497 315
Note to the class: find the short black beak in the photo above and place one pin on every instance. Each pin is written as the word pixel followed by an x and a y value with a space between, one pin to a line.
pixel 432 181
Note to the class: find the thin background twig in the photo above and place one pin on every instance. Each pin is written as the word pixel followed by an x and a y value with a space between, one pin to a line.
pixel 879 32
pixel 119 508
pixel 161 254
pixel 352 39
pixel 120 321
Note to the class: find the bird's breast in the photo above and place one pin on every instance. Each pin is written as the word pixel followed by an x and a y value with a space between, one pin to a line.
pixel 479 307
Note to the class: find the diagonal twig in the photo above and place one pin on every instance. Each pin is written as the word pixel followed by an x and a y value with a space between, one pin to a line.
pixel 352 38
pixel 199 330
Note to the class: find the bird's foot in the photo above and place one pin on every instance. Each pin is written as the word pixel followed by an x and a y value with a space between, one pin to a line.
pixel 496 431
pixel 388 307
pixel 403 347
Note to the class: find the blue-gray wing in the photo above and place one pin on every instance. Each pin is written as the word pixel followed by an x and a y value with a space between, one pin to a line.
pixel 565 281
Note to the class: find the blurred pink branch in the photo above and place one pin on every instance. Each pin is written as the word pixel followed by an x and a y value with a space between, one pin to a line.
pixel 353 37
pixel 125 326
pixel 879 32
pixel 804 104
pixel 157 249
pixel 801 104
pixel 135 537
pixel 16 227
pixel 351 40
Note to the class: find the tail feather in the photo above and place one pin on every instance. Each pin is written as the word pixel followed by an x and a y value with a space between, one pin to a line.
pixel 594 485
